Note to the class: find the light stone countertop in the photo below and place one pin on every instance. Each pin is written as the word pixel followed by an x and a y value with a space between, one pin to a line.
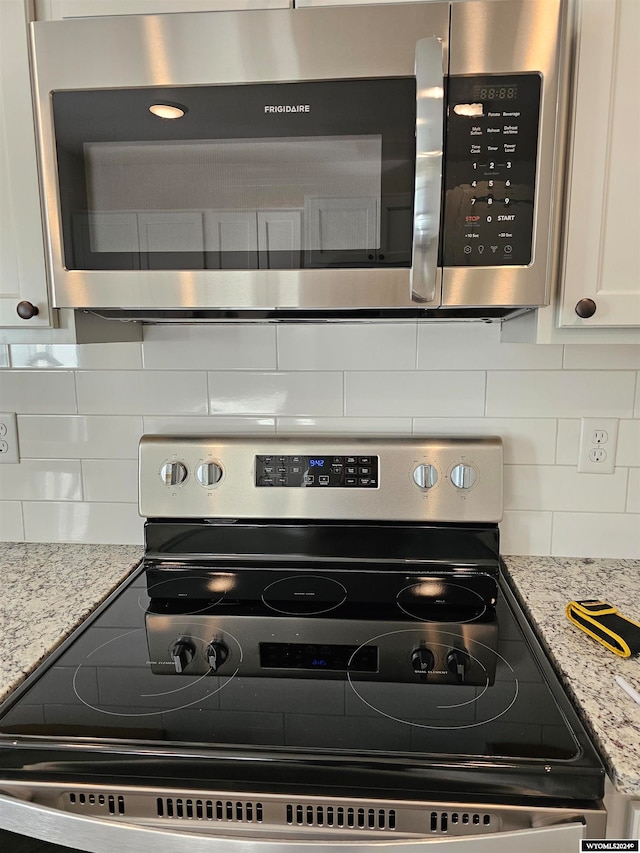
pixel 49 589
pixel 545 585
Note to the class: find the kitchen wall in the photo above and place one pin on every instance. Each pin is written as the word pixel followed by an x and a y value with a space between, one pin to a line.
pixel 82 409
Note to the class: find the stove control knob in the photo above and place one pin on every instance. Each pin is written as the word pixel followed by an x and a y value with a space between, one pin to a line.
pixel 463 476
pixel 208 473
pixel 216 654
pixel 425 476
pixel 422 660
pixel 459 663
pixel 182 654
pixel 173 473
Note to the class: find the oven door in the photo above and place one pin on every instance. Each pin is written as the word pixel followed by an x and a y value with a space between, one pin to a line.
pixel 99 836
pixel 248 160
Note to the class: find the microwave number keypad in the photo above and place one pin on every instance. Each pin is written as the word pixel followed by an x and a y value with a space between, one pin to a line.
pixel 317 472
pixel 491 157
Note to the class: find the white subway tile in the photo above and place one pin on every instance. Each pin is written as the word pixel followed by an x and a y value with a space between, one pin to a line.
pixel 633 493
pixel 4 355
pixel 560 394
pixel 41 480
pixel 141 392
pixel 79 436
pixel 568 442
pixel 477 346
pixel 117 356
pixel 100 523
pixel 38 391
pixel 208 425
pixel 11 527
pixel 415 394
pixel 599 357
pixel 555 487
pixel 526 533
pixel 628 452
pixel 352 426
pixel 276 393
pixel 347 346
pixel 232 347
pixel 110 480
pixel 596 534
pixel 526 441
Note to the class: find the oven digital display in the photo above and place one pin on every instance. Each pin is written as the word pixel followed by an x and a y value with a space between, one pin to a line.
pixel 319 472
pixel 318 657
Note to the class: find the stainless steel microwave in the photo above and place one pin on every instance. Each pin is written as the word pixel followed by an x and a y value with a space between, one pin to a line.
pixel 382 160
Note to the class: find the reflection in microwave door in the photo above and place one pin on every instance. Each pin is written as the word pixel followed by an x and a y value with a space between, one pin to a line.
pixel 469 110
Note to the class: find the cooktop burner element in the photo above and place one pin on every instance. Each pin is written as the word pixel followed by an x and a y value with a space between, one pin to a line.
pixel 304 594
pixel 286 644
pixel 437 600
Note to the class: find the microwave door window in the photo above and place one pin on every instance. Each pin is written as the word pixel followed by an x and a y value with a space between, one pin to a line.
pixel 229 185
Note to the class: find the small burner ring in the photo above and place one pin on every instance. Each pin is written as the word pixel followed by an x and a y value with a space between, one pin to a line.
pixel 300 595
pixel 420 601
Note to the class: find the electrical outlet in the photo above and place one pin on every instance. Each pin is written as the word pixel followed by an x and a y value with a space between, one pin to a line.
pixel 598 442
pixel 8 438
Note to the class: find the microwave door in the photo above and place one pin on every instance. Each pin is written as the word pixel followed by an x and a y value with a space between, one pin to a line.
pixel 429 136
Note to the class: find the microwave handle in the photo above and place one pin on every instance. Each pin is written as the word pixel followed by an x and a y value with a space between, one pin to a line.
pixel 429 137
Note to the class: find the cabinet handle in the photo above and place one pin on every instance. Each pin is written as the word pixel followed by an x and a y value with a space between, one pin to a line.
pixel 27 310
pixel 586 308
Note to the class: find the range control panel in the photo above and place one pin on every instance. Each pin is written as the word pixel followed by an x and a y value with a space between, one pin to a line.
pixel 435 478
pixel 491 158
pixel 317 471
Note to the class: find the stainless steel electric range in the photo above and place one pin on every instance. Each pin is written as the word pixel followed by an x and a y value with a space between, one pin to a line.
pixel 319 651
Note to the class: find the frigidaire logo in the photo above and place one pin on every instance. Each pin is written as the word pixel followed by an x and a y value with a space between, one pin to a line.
pixel 287 108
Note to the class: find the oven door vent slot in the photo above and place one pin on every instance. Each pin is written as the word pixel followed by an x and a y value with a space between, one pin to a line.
pixel 232 811
pixel 443 822
pixel 341 817
pixel 113 804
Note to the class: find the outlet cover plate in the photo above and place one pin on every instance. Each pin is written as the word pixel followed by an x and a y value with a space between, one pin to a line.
pixel 9 438
pixel 598 442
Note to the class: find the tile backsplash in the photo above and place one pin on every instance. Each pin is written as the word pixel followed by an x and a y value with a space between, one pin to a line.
pixel 82 409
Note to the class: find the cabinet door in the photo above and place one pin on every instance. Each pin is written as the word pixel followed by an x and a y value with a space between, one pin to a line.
pixel 172 239
pixel 22 267
pixel 602 251
pixel 231 239
pixel 341 224
pixel 280 238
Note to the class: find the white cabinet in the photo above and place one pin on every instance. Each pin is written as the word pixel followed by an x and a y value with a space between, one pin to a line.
pixel 623 813
pixel 602 249
pixel 22 256
pixel 22 264
pixel 601 254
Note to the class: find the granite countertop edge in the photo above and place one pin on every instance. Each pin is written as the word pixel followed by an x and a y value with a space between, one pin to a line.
pixel 50 589
pixel 544 586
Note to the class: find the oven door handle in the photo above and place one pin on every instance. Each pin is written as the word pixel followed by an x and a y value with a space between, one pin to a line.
pixel 95 835
pixel 428 188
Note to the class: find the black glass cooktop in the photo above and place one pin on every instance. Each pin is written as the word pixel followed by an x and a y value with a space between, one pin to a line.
pixel 399 700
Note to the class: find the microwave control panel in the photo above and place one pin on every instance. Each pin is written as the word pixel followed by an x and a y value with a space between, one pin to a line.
pixel 491 158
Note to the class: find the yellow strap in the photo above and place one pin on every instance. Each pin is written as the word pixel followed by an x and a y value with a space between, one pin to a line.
pixel 622 649
pixel 594 608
